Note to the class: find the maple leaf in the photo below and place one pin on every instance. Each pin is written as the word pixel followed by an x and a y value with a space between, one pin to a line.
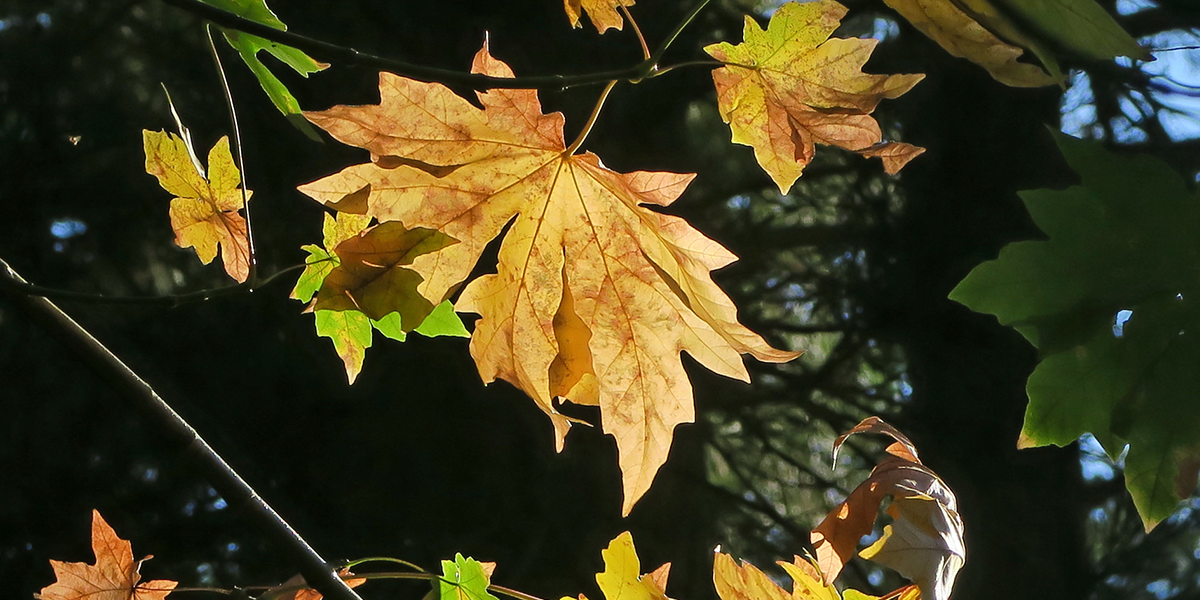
pixel 603 13
pixel 747 582
pixel 464 579
pixel 595 295
pixel 622 578
pixel 340 318
pixel 114 576
pixel 790 87
pixel 924 542
pixel 248 46
pixel 1107 301
pixel 204 213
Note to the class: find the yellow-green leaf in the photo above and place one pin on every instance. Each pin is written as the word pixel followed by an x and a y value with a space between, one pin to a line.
pixel 622 577
pixel 204 213
pixel 595 295
pixel 788 88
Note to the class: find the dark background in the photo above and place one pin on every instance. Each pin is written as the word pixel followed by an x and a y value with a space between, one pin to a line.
pixel 418 460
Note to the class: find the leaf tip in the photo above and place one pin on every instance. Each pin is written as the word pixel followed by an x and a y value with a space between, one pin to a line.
pixel 1025 441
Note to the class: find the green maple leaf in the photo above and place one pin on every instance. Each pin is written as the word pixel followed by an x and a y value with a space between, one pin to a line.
pixel 248 47
pixel 463 579
pixel 350 330
pixel 1125 240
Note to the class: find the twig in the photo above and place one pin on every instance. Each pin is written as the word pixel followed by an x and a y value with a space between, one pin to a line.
pixel 662 49
pixel 180 435
pixel 1174 49
pixel 171 300
pixel 237 144
pixel 334 52
pixel 711 64
pixel 422 576
pixel 210 590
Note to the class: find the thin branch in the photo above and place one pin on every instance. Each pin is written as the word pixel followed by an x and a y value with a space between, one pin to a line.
pixel 210 590
pixel 422 576
pixel 237 144
pixel 171 300
pixel 638 31
pixel 1173 49
pixel 350 56
pixel 710 64
pixel 182 437
pixel 662 49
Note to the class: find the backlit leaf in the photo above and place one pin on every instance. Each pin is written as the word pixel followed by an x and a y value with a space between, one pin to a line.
pixel 622 578
pixel 790 87
pixel 114 576
pixel 595 295
pixel 463 579
pixel 204 213
pixel 340 319
pixel 603 13
pixel 248 47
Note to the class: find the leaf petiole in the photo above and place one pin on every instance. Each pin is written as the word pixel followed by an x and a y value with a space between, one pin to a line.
pixel 638 30
pixel 355 563
pixel 423 575
pixel 587 128
pixel 237 145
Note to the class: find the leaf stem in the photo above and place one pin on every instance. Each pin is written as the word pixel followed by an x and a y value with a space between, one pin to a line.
pixel 499 589
pixel 712 64
pixel 638 31
pixel 201 589
pixel 350 56
pixel 587 128
pixel 511 593
pixel 237 144
pixel 356 562
pixel 9 280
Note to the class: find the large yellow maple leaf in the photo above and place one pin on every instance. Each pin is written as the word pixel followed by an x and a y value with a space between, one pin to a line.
pixel 114 576
pixel 790 87
pixel 595 295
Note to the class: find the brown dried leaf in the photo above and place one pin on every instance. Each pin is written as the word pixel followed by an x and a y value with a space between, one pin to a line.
pixel 114 576
pixel 925 540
